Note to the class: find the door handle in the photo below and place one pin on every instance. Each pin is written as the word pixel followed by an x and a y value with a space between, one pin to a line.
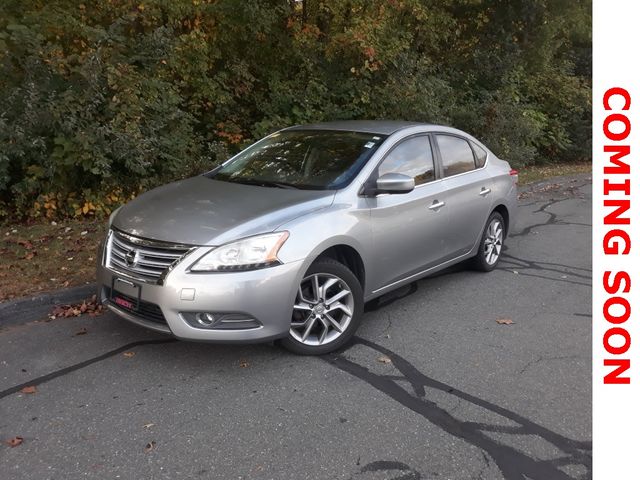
pixel 484 191
pixel 436 205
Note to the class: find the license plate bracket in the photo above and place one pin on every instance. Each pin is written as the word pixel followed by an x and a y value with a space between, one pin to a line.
pixel 123 291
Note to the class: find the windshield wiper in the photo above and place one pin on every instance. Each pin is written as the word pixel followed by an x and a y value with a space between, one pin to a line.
pixel 265 183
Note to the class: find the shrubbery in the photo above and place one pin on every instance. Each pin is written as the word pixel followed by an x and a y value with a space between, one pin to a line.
pixel 99 100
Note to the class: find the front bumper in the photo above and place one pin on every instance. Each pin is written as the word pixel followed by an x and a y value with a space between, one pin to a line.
pixel 266 295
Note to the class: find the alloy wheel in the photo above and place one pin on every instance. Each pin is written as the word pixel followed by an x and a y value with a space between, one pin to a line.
pixel 323 309
pixel 493 241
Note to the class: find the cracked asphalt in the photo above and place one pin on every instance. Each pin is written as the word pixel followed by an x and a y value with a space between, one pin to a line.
pixel 432 388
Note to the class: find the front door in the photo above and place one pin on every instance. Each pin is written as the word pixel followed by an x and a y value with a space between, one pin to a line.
pixel 408 229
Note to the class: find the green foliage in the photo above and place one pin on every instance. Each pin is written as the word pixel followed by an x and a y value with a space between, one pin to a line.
pixel 122 95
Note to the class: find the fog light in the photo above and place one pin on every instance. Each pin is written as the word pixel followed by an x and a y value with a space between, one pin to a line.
pixel 205 319
pixel 220 320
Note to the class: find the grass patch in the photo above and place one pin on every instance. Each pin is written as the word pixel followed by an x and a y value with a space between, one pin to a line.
pixel 47 256
pixel 535 173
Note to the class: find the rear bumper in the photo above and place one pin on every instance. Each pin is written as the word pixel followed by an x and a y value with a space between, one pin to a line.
pixel 265 295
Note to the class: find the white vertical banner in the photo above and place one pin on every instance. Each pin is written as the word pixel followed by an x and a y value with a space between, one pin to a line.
pixel 616 239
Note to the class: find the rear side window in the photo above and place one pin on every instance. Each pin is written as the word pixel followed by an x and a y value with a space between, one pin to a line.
pixel 481 154
pixel 457 156
pixel 412 157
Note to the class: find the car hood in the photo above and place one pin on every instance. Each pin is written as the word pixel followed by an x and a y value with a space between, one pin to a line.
pixel 203 211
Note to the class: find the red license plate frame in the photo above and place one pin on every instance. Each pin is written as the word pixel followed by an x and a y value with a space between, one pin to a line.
pixel 129 300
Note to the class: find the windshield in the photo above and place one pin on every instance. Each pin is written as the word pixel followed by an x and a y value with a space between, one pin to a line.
pixel 309 159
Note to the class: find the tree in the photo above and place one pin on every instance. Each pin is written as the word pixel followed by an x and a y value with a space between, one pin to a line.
pixel 101 99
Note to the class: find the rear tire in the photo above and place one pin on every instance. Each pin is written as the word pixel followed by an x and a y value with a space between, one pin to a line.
pixel 491 244
pixel 327 311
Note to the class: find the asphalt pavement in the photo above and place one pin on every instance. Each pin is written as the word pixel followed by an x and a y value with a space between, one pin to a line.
pixel 432 388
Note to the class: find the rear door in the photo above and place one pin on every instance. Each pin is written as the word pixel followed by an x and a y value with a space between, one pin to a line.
pixel 468 191
pixel 408 228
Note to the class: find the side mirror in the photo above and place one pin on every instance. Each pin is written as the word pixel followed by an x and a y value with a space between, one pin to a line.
pixel 395 183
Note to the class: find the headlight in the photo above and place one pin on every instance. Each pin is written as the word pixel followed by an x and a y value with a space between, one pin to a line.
pixel 247 254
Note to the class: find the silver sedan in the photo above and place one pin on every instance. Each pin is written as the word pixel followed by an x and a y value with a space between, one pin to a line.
pixel 289 238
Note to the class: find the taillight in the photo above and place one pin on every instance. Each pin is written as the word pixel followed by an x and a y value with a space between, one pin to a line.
pixel 514 173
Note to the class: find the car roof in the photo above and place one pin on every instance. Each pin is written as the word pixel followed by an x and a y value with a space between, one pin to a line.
pixel 382 127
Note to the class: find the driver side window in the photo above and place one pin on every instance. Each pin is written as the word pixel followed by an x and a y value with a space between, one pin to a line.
pixel 412 157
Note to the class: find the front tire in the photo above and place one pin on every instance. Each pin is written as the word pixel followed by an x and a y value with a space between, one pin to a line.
pixel 491 244
pixel 327 311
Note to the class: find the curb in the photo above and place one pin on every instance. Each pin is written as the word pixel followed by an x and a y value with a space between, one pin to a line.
pixel 25 310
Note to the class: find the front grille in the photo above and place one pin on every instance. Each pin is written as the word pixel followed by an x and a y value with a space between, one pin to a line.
pixel 146 310
pixel 140 258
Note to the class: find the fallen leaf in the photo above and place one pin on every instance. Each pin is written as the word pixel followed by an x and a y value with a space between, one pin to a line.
pixel 14 442
pixel 244 363
pixel 26 244
pixel 505 321
pixel 149 446
pixel 82 331
pixel 29 389
pixel 148 425
pixel 128 354
pixel 383 359
pixel 91 306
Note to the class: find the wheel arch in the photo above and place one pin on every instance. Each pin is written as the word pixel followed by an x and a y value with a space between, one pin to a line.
pixel 504 212
pixel 349 257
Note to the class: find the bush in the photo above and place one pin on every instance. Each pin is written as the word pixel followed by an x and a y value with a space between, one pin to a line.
pixel 100 100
